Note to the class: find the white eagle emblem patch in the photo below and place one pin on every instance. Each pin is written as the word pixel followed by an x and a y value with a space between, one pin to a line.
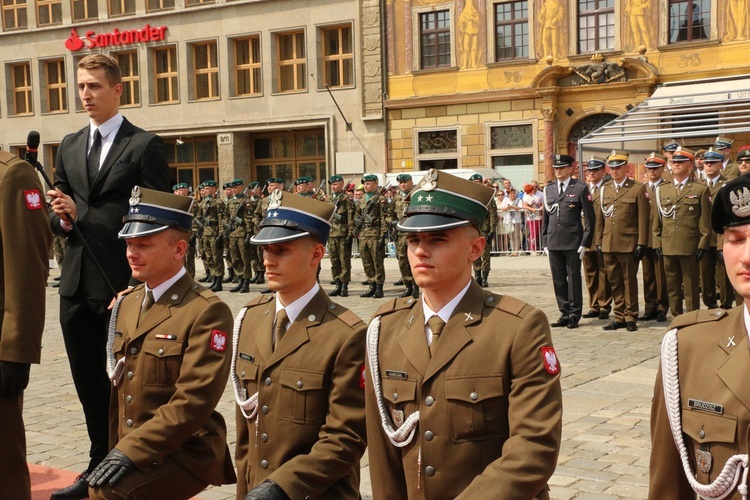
pixel 218 341
pixel 551 363
pixel 33 199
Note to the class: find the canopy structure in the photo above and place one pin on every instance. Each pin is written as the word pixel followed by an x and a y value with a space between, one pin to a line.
pixel 692 113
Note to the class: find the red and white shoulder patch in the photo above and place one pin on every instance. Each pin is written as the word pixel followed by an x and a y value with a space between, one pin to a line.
pixel 551 363
pixel 218 341
pixel 33 199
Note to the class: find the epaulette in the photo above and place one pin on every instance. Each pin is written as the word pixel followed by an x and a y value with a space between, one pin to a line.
pixel 508 304
pixel 395 305
pixel 262 299
pixel 348 316
pixel 695 317
pixel 5 156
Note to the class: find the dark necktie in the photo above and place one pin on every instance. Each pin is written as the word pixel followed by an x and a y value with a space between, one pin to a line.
pixel 436 325
pixel 95 155
pixel 562 187
pixel 279 328
pixel 147 305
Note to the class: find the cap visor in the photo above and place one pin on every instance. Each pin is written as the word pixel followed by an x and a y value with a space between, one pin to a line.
pixel 138 229
pixel 422 223
pixel 275 234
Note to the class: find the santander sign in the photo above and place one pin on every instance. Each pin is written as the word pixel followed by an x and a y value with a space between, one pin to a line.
pixel 94 40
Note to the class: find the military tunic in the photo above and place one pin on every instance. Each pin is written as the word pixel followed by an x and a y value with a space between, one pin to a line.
pixel 371 214
pixel 490 407
pixel 340 237
pixel 234 224
pixel 600 292
pixel 654 277
pixel 396 214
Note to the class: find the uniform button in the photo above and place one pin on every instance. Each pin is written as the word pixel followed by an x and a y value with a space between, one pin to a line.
pixel 267 381
pixel 300 384
pixel 429 400
pixel 129 423
pixel 474 396
pixel 129 399
pixel 160 351
pixel 429 470
pixel 130 375
pixel 264 464
pixel 395 396
pixel 428 435
pixel 243 373
pixel 264 409
pixel 264 438
pixel 133 350
pixel 702 434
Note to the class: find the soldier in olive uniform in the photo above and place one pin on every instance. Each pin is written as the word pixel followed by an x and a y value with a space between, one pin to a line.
pixel 168 360
pixel 213 219
pixel 600 292
pixel 623 233
pixel 234 221
pixel 682 231
pixel 298 368
pixel 201 240
pixel 654 276
pixel 711 267
pixel 25 240
pixel 253 258
pixel 463 393
pixel 396 214
pixel 723 146
pixel 371 227
pixel 183 189
pixel 701 408
pixel 340 238
pixel 489 229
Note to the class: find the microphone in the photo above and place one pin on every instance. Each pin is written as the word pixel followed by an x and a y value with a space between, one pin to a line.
pixel 32 147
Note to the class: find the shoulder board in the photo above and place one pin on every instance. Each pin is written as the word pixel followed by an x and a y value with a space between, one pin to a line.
pixel 261 299
pixel 507 304
pixel 346 315
pixel 6 157
pixel 695 317
pixel 395 305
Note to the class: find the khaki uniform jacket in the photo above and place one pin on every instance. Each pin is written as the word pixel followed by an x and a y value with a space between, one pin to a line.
pixel 309 432
pixel 713 359
pixel 489 412
pixel 342 224
pixel 652 210
pixel 712 190
pixel 731 170
pixel 628 224
pixel 25 239
pixel 176 370
pixel 596 239
pixel 690 226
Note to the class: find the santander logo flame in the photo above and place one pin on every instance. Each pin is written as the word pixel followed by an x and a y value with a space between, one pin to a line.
pixel 116 37
pixel 74 41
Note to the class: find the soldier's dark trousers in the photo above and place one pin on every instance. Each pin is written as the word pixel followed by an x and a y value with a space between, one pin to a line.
pixel 682 277
pixel 600 293
pixel 622 273
pixel 14 476
pixel 566 278
pixel 654 283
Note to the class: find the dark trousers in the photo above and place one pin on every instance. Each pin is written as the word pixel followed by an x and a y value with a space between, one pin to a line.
pixel 84 325
pixel 566 278
pixel 600 292
pixel 14 473
pixel 682 281
pixel 654 283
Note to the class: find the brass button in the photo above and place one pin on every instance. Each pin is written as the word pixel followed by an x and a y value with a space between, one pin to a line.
pixel 160 351
pixel 300 384
pixel 474 396
pixel 428 435
pixel 129 423
pixel 133 350
pixel 242 374
pixel 267 381
pixel 130 375
pixel 264 464
pixel 264 409
pixel 702 434
pixel 429 400
pixel 128 399
pixel 395 396
pixel 264 438
pixel 429 471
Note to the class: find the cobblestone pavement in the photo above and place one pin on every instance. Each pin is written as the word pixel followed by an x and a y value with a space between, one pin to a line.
pixel 607 384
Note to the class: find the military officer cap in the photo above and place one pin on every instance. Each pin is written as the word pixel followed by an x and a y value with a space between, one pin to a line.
pixel 153 211
pixel 237 182
pixel 276 180
pixel 655 160
pixel 563 161
pixel 254 184
pixel 744 153
pixel 335 178
pixel 476 177
pixel 731 205
pixel 226 185
pixel 683 154
pixel 595 163
pixel 712 156
pixel 700 153
pixel 403 178
pixel 369 178
pixel 670 146
pixel 723 143
pixel 300 180
pixel 180 185
pixel 211 183
pixel 617 158
pixel 443 201
pixel 290 217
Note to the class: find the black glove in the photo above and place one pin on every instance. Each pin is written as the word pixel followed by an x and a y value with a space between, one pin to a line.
pixel 110 470
pixel 14 377
pixel 720 256
pixel 700 254
pixel 599 250
pixel 658 252
pixel 640 252
pixel 267 490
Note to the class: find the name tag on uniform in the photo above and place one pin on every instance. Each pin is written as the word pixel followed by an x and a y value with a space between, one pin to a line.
pixel 706 406
pixel 395 374
pixel 247 357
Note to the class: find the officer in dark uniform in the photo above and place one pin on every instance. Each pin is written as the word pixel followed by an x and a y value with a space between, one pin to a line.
pixel 567 229
pixel 25 239
pixel 600 292
pixel 654 276
pixel 396 213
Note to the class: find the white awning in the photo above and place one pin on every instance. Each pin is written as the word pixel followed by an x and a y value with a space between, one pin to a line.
pixel 680 111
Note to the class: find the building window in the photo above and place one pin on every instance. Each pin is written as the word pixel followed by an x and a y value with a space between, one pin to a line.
pixel 292 75
pixel 689 20
pixel 165 62
pixel 437 148
pixel 247 66
pixel 206 82
pixel 596 25
pixel 48 12
pixel 121 7
pixel 511 151
pixel 85 9
pixel 435 39
pixel 193 160
pixel 21 74
pixel 289 155
pixel 56 86
pixel 338 58
pixel 511 30
pixel 152 5
pixel 191 3
pixel 131 80
pixel 14 14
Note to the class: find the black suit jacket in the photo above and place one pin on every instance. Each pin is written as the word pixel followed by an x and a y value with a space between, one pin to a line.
pixel 564 229
pixel 136 157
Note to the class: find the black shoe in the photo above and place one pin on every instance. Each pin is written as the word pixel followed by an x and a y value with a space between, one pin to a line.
pixel 647 317
pixel 661 317
pixel 378 292
pixel 332 282
pixel 266 290
pixel 345 289
pixel 713 306
pixel 631 326
pixel 205 279
pixel 591 314
pixel 409 290
pixel 238 287
pixel 399 282
pixel 229 277
pixel 78 490
pixel 217 287
pixel 245 286
pixel 365 283
pixel 603 314
pixel 415 293
pixel 616 325
pixel 57 278
pixel 572 323
pixel 56 284
pixel 369 292
pixel 336 291
pixel 560 322
pixel 485 275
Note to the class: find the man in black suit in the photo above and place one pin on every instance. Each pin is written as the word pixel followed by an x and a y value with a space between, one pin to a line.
pixel 96 169
pixel 565 237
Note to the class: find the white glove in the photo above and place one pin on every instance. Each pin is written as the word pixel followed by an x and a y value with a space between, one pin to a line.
pixel 545 251
pixel 581 251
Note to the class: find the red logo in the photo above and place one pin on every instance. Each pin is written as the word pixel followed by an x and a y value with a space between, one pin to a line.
pixel 74 41
pixel 362 377
pixel 33 199
pixel 218 341
pixel 551 363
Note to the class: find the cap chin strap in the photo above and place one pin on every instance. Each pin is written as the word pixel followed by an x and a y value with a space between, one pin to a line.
pixel 737 465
